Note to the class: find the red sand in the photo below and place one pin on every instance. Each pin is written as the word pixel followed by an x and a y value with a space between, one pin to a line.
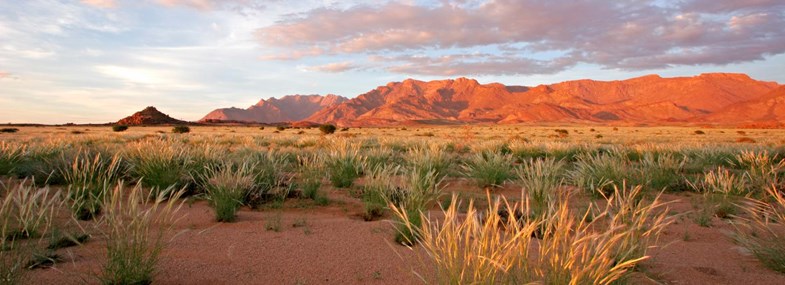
pixel 337 247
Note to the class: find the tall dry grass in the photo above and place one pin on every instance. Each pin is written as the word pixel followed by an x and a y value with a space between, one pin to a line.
pixel 484 247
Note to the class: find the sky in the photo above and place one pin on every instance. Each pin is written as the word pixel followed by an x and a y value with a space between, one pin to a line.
pixel 96 61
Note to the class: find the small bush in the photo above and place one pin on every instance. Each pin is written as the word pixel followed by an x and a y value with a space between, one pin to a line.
pixel 119 128
pixel 9 130
pixel 280 128
pixel 699 132
pixel 181 129
pixel 327 129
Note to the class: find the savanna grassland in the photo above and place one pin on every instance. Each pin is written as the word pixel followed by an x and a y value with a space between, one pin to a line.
pixel 400 205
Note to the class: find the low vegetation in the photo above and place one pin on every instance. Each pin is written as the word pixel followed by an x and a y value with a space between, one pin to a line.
pixel 559 209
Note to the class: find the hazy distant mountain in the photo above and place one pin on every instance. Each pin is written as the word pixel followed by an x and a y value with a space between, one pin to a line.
pixel 766 111
pixel 649 99
pixel 286 109
pixel 149 116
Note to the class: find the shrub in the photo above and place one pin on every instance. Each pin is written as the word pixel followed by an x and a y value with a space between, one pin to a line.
pixel 280 128
pixel 181 129
pixel 327 129
pixel 699 132
pixel 119 128
pixel 136 225
pixel 745 140
pixel 9 130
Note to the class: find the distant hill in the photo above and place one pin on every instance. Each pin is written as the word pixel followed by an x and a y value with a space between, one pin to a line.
pixel 649 100
pixel 289 108
pixel 149 116
pixel 714 98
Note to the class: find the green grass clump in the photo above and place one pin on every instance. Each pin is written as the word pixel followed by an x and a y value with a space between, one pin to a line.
pixel 136 225
pixel 89 178
pixel 10 155
pixel 268 178
pixel 44 164
pixel 762 233
pixel 433 158
pixel 226 186
pixel 489 169
pixel 663 171
pixel 761 170
pixel 720 190
pixel 160 165
pixel 599 173
pixel 379 190
pixel 25 212
pixel 344 165
pixel 311 174
pixel 417 194
pixel 540 180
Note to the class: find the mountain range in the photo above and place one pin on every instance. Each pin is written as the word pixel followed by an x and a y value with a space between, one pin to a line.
pixel 713 98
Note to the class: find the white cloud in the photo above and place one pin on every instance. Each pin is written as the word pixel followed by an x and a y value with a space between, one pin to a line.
pixel 335 67
pixel 628 35
pixel 148 77
pixel 101 3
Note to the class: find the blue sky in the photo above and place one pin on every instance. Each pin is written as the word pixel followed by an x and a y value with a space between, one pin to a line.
pixel 97 61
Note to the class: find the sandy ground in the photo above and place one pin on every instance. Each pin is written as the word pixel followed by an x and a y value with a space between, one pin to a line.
pixel 333 245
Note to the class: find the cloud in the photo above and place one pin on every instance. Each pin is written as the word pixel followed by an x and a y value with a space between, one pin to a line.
pixel 100 3
pixel 147 77
pixel 335 67
pixel 4 74
pixel 626 35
